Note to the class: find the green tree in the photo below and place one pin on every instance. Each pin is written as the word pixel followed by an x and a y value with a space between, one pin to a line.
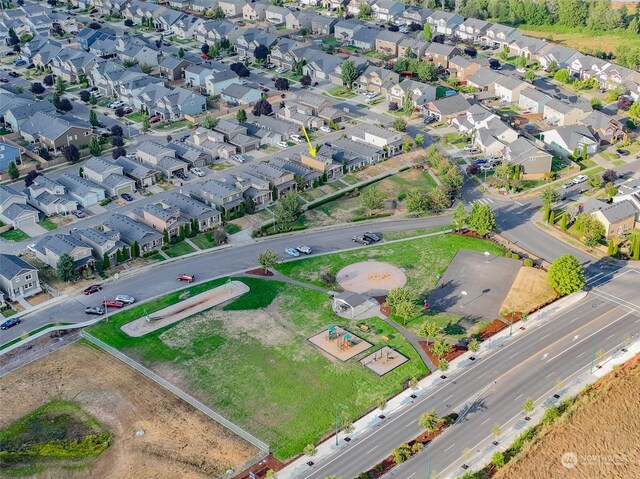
pixel 372 199
pixel 443 365
pixel 429 329
pixel 310 450
pixel 430 421
pixel 397 296
pixel 407 102
pixel 241 115
pixel 528 405
pixel 498 459
pixel 209 122
pixel 146 124
pixel 66 269
pixel 419 140
pixel 364 11
pixel 180 52
pixel 165 237
pixel 406 145
pixel 135 250
pixel 496 430
pixel 402 453
pixel 481 219
pixel 562 76
pixel 552 218
pixel 407 310
pixel 399 125
pixel 427 32
pixel 530 76
pixel 93 118
pixel 459 217
pixel 566 275
pixel 417 201
pixel 95 148
pixel 563 221
pixel 60 86
pixel 106 262
pixel 440 348
pixel 595 181
pixel 439 199
pixel 473 345
pixel 13 171
pixel 268 259
pixel 119 256
pixel 349 72
pixel 549 195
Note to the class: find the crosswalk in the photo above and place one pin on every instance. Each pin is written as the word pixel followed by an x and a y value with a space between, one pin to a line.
pixel 484 201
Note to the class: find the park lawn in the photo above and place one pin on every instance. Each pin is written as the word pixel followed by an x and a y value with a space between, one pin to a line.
pixel 15 235
pixel 397 235
pixel 179 249
pixel 341 92
pixel 256 367
pixel 454 328
pixel 424 260
pixel 48 224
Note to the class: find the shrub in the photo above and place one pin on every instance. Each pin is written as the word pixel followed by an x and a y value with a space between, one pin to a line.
pixel 328 278
pixel 527 262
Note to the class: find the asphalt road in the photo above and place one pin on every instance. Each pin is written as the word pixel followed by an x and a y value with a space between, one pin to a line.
pixel 492 389
pixel 162 279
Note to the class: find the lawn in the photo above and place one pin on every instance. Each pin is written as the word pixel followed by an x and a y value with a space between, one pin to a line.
pixel 14 235
pixel 136 116
pixel 232 228
pixel 171 125
pixel 179 249
pixel 341 92
pixel 397 235
pixel 220 166
pixel 251 361
pixel 204 240
pixel 424 260
pixel 48 224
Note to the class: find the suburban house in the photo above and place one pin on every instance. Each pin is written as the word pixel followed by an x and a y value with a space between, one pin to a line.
pixel 132 232
pixel 389 141
pixel 16 115
pixel 617 218
pixel 54 132
pixel 567 139
pixel 377 79
pixel 484 80
pixel 445 23
pixel 236 94
pixel 160 218
pixel 606 128
pixel 322 25
pixel 532 100
pixel 51 247
pixel 231 8
pixel 217 81
pixel 323 162
pixel 50 197
pixel 172 68
pixel 530 158
pixel 472 29
pixel 500 35
pixel 447 108
pixel 251 39
pixel 142 175
pixel 85 192
pixel 387 42
pixel 508 88
pixel 493 136
pixel 195 157
pixel 387 10
pixel 14 209
pixel 462 68
pixel 194 210
pixel 18 279
pixel 276 15
pixel 223 196
pixel 254 189
pixel 421 93
pixel 439 54
pixel 560 113
pixel 416 46
pixel 278 178
pixel 254 12
pixel 109 176
pixel 561 55
pixel 309 175
pixel 160 158
pixel 102 242
pixel 237 135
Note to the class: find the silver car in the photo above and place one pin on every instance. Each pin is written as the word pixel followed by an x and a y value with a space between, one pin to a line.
pixel 304 249
pixel 125 298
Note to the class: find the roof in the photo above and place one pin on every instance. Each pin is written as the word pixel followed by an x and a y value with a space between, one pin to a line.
pixel 615 212
pixel 534 94
pixel 59 244
pixel 11 265
pixel 50 125
pixel 134 168
pixel 351 299
pixel 218 188
pixel 130 229
pixel 100 165
pixel 6 192
pixel 190 207
pixel 450 105
pixel 238 91
pixel 77 185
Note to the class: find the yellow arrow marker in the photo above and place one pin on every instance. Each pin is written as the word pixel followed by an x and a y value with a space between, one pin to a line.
pixel 312 150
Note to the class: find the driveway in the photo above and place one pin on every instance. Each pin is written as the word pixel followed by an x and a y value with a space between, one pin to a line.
pixel 34 230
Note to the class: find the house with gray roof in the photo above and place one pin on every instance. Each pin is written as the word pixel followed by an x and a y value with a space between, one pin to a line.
pixel 532 100
pixel 563 56
pixel 50 197
pixel 225 197
pixel 508 89
pixel 421 93
pixel 531 159
pixel 160 158
pixel 14 209
pixel 207 217
pixel 566 139
pixel 49 249
pixel 618 217
pixel 472 29
pixel 141 174
pixel 195 157
pixel 160 218
pixel 172 68
pixel 85 192
pixel 308 175
pixel 278 178
pixel 445 23
pixel 102 242
pixel 605 127
pixel 389 141
pixel 54 132
pixel 132 231
pixel 108 175
pixel 236 94
pixel 17 115
pixel 18 279
pixel 448 107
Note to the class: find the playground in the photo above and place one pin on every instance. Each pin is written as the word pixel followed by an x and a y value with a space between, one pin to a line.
pixel 339 343
pixel 188 306
pixel 374 278
pixel 383 361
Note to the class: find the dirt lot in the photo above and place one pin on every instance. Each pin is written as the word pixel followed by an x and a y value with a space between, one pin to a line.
pixel 602 428
pixel 178 442
pixel 529 291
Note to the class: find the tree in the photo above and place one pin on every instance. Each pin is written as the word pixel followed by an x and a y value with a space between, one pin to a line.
pixel 261 53
pixel 180 52
pixel 407 310
pixel 271 474
pixel 563 221
pixel 419 140
pixel 498 459
pixel 93 100
pixel 305 81
pixel 65 105
pixel 530 76
pixel 281 84
pixel 429 329
pixel 397 296
pixel 241 115
pixel 528 405
pixel 66 269
pixel 217 13
pixel 239 69
pixel 30 178
pixel 595 181
pixel 566 275
pixel 13 171
pixel 93 118
pixel 262 107
pixel 106 262
pixel 268 259
pixel 364 11
pixel 37 88
pixel 71 153
pixel 48 80
pixel 417 201
pixel 406 145
pixel 430 421
pixel 459 217
pixel 116 141
pixel 204 48
pixel 443 365
pixel 95 148
pixel 60 86
pixel 399 125
pixel 209 122
pixel 117 152
pixel 562 76
pixel 549 195
pixel 372 198
pixel 310 450
pixel 591 228
pixel 439 199
pixel 481 219
pixel 407 102
pixel 116 130
pixel 349 72
pixel 609 176
pixel 84 95
pixel 496 430
pixel 402 453
pixel 440 348
pixel 473 345
pixel 427 32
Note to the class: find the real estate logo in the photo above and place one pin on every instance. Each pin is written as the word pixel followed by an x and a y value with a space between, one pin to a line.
pixel 569 460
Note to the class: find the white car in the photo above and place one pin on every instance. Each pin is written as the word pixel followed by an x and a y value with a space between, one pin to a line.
pixel 239 158
pixel 281 70
pixel 296 138
pixel 469 148
pixel 580 179
pixel 326 129
pixel 283 144
pixel 197 171
pixel 568 184
pixel 125 298
pixel 486 167
pixel 116 104
pixel 167 33
pixel 304 249
pixel 292 252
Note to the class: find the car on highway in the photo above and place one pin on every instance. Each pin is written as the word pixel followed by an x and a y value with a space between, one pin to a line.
pixel 78 214
pixel 10 323
pixel 197 171
pixel 361 240
pixel 325 129
pixel 304 249
pixel 373 237
pixel 292 252
pixel 97 310
pixel 580 179
pixel 283 144
pixel 94 288
pixel 189 278
pixel 567 184
pixel 126 197
pixel 125 298
pixel 112 303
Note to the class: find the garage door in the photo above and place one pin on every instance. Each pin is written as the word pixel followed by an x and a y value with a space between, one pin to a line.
pixel 21 223
pixel 125 189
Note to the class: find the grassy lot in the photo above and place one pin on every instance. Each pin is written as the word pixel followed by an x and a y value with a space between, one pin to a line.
pixel 7 313
pixel 204 240
pixel 397 235
pixel 341 92
pixel 252 362
pixel 529 290
pixel 179 249
pixel 136 116
pixel 48 224
pixel 171 125
pixel 14 235
pixel 292 77
pixel 423 260
pixel 220 166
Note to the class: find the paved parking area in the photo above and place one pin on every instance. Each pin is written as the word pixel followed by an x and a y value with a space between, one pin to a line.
pixel 474 285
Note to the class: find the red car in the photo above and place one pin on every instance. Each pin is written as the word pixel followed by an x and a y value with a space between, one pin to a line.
pixel 94 288
pixel 205 57
pixel 128 110
pixel 112 303
pixel 189 278
pixel 155 119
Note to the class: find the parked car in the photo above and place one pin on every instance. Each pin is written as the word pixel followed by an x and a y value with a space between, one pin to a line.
pixel 4 80
pixel 116 104
pixel 479 161
pixel 10 323
pixel 292 252
pixel 361 240
pixel 622 152
pixel 197 171
pixel 125 298
pixel 126 197
pixel 94 288
pixel 580 179
pixel 487 167
pixel 78 214
pixel 9 53
pixel 154 119
pixel 167 33
pixel 97 310
pixel 19 63
pixel 568 184
pixel 470 147
pixel 296 138
pixel 14 74
pixel 428 119
pixel 373 237
pixel 325 129
pixel 189 278
pixel 283 144
pixel 128 110
pixel 304 249
pixel 112 303
pixel 182 175
pixel 239 158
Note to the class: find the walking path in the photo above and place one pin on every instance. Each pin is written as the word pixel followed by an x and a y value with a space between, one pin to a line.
pixel 192 244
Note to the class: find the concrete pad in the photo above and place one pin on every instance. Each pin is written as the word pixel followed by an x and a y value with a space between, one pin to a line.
pixel 341 344
pixel 185 308
pixel 383 361
pixel 97 209
pixel 485 280
pixel 374 278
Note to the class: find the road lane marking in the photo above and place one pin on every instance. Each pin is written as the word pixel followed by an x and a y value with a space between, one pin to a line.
pixel 371 450
pixel 581 354
pixel 411 475
pixel 514 354
pixel 609 337
pixel 518 397
pixel 449 447
pixel 448 397
pixel 544 356
pixel 615 299
pixel 488 419
pixel 551 373
pixel 545 336
pixel 518 203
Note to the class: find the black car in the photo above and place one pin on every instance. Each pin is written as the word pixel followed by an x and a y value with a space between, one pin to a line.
pixel 9 323
pixel 126 197
pixel 373 237
pixel 182 176
pixel 97 310
pixel 361 240
pixel 14 74
pixel 622 152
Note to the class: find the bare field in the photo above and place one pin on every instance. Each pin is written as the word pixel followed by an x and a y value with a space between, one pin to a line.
pixel 529 290
pixel 178 441
pixel 601 428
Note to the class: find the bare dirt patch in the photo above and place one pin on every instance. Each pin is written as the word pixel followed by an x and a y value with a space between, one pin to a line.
pixel 178 442
pixel 372 277
pixel 603 424
pixel 528 292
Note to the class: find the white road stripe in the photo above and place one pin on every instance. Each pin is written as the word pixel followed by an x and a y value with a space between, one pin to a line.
pixel 449 447
pixel 371 450
pixel 551 373
pixel 582 353
pixel 518 397
pixel 488 419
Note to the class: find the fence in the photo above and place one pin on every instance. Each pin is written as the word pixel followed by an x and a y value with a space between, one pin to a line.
pixel 178 392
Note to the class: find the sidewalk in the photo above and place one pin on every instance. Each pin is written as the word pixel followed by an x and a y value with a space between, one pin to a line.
pixel 397 404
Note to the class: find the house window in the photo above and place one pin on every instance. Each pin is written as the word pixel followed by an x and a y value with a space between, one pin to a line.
pixel 27 277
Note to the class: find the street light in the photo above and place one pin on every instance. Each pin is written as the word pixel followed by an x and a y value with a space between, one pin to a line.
pixel 463 293
pixel 338 406
pixel 486 256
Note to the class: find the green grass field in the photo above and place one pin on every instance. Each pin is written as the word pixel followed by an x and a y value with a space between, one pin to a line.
pixel 341 92
pixel 204 240
pixel 48 224
pixel 179 249
pixel 14 235
pixel 256 366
